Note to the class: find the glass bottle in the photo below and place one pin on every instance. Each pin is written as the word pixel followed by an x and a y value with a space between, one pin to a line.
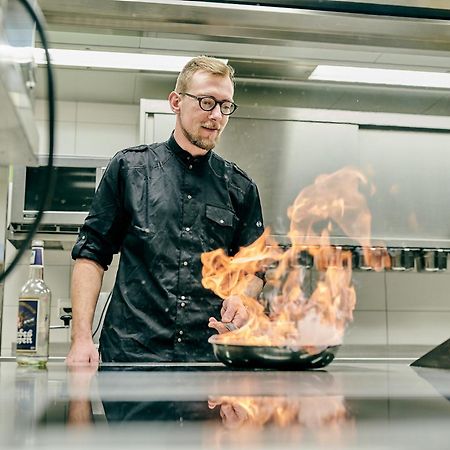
pixel 33 320
pixel 30 402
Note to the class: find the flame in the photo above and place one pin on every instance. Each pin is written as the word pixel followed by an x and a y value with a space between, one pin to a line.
pixel 309 412
pixel 332 204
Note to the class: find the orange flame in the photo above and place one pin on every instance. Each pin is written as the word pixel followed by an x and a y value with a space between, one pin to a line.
pixel 333 203
pixel 309 412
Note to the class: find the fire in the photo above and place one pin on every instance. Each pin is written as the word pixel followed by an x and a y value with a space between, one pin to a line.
pixel 306 411
pixel 297 319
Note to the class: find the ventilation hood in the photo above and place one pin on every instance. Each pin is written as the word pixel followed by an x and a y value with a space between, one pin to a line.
pixel 18 132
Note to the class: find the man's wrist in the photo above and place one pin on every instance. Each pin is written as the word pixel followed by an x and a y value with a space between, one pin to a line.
pixel 81 338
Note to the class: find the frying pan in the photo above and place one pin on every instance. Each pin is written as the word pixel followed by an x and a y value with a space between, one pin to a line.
pixel 272 357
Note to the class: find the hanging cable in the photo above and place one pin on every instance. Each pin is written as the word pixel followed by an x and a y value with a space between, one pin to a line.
pixel 48 172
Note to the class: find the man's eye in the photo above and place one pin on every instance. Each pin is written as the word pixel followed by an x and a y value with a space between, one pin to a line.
pixel 208 102
pixel 226 107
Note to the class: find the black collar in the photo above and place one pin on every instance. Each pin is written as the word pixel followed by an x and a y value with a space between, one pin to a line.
pixel 185 156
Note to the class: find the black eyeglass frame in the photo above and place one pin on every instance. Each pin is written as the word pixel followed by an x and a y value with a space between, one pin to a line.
pixel 216 102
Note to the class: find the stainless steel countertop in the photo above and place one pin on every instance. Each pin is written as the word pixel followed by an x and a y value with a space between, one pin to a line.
pixel 364 405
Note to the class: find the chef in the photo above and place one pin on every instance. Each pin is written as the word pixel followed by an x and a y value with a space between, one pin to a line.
pixel 161 206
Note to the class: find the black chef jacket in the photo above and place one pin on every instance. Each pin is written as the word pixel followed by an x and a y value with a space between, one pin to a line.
pixel 161 208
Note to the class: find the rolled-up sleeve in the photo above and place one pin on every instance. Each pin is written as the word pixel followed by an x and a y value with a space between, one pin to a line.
pixel 104 229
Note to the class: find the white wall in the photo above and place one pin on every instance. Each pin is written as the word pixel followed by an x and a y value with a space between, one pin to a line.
pixel 396 308
pixel 91 129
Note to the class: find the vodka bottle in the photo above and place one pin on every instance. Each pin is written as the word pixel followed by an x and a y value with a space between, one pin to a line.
pixel 33 321
pixel 30 401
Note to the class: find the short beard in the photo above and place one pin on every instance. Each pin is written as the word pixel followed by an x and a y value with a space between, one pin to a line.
pixel 200 143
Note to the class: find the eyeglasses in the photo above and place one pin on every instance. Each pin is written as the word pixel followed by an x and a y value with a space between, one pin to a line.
pixel 208 103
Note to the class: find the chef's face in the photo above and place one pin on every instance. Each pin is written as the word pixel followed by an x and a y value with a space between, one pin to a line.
pixel 203 128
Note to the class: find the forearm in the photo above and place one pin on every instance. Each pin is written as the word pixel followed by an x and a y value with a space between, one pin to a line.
pixel 254 286
pixel 250 286
pixel 87 279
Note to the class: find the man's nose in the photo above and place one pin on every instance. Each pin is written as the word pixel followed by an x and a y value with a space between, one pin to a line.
pixel 216 113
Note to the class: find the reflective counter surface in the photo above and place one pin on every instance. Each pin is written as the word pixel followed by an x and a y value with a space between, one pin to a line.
pixel 351 404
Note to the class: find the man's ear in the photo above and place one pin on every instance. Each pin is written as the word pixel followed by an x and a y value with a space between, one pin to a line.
pixel 174 102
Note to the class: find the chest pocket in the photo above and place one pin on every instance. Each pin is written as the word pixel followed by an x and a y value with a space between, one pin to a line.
pixel 220 226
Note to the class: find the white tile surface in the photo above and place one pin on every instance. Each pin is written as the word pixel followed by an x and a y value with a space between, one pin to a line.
pixel 370 291
pixel 429 328
pixel 64 138
pixel 94 139
pixel 9 328
pixel 13 284
pixel 57 279
pixel 418 291
pixel 65 111
pixel 57 257
pixel 108 113
pixel 368 327
pixel 59 334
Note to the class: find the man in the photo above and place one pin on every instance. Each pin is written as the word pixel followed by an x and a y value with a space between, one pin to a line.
pixel 161 206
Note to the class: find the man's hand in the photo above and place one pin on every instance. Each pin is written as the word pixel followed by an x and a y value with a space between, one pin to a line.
pixel 233 315
pixel 79 382
pixel 83 353
pixel 233 414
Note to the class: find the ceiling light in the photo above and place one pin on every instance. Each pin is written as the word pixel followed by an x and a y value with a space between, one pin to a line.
pixel 381 76
pixel 113 60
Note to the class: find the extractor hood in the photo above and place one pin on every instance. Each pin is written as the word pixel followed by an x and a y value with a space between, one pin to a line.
pixel 18 132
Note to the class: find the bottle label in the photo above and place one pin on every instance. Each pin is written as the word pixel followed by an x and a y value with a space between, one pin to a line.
pixel 27 325
pixel 37 256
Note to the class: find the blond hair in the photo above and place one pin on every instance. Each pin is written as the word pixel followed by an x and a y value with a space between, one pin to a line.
pixel 208 64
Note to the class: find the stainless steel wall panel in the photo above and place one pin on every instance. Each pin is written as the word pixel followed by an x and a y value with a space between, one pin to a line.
pixel 283 153
pixel 411 172
pixel 284 157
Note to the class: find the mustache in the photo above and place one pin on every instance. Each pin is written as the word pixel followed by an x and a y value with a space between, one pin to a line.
pixel 211 126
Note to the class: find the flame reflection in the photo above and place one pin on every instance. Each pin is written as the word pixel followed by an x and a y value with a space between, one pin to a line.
pixel 306 412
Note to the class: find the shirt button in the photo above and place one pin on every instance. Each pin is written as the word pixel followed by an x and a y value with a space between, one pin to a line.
pixel 183 297
pixel 183 304
pixel 179 339
pixel 181 332
pixel 190 166
pixel 187 229
pixel 189 196
pixel 221 220
pixel 185 263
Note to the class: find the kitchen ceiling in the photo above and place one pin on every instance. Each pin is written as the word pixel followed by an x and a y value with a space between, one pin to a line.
pixel 273 50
